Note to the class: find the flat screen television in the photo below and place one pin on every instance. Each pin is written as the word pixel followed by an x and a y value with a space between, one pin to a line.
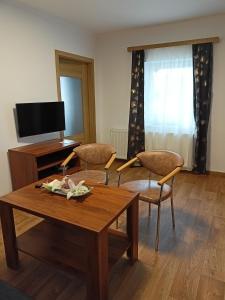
pixel 40 117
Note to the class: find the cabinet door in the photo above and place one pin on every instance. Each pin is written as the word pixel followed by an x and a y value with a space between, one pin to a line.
pixel 23 168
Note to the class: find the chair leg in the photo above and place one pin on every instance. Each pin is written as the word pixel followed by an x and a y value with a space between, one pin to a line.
pixel 149 209
pixel 157 229
pixel 117 223
pixel 172 211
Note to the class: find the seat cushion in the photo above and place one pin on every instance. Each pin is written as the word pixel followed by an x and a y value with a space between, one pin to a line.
pixel 149 190
pixel 93 175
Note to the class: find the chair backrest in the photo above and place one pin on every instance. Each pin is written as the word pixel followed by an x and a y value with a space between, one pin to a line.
pixel 160 162
pixel 95 153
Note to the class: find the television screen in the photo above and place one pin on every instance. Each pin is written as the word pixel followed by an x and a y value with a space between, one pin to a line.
pixel 40 117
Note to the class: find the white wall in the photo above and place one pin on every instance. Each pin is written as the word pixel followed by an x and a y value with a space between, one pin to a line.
pixel 113 66
pixel 27 67
pixel 27 71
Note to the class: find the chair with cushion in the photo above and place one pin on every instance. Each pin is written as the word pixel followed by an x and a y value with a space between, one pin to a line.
pixel 166 164
pixel 92 154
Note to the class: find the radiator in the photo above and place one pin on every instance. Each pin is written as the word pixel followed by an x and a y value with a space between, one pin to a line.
pixel 119 139
pixel 155 141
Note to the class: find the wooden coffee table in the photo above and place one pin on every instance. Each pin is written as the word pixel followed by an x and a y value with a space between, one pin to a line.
pixel 74 234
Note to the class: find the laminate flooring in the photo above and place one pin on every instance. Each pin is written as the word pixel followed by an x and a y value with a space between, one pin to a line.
pixel 190 263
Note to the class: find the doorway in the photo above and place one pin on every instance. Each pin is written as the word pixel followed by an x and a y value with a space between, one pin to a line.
pixel 75 86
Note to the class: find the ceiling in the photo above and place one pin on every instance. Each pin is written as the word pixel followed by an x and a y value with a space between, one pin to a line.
pixel 109 15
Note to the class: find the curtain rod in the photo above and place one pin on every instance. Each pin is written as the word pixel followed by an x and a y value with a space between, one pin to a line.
pixel 215 39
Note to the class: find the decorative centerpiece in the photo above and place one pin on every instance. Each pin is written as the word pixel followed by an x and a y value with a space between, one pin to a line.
pixel 67 187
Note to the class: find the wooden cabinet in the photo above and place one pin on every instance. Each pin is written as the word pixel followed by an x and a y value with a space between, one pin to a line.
pixel 36 161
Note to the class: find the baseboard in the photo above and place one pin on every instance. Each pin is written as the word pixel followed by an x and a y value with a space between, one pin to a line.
pixel 207 173
pixel 216 173
pixel 183 171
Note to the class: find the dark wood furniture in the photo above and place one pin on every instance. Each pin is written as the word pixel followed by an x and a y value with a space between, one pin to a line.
pixel 36 161
pixel 75 234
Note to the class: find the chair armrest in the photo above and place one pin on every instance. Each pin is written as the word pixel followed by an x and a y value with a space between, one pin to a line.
pixel 111 160
pixel 65 162
pixel 169 176
pixel 127 164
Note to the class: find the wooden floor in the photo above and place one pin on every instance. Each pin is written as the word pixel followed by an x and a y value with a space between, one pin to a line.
pixel 190 263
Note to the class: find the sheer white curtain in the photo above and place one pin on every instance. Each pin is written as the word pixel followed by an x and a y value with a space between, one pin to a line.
pixel 168 100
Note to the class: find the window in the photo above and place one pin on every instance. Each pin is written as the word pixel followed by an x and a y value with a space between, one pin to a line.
pixel 168 97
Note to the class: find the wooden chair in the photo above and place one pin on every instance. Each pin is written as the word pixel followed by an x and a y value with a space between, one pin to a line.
pixel 164 163
pixel 96 154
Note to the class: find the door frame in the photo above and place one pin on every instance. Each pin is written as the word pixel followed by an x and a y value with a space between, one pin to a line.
pixel 89 62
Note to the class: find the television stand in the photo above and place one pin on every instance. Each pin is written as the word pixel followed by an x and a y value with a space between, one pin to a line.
pixel 36 161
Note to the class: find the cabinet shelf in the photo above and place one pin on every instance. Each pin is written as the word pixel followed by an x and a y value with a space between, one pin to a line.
pixel 56 163
pixel 36 161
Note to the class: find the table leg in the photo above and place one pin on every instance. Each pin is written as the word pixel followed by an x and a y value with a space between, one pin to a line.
pixel 132 230
pixel 97 275
pixel 9 236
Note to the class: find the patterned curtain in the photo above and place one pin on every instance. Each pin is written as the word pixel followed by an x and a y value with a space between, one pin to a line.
pixel 136 135
pixel 202 68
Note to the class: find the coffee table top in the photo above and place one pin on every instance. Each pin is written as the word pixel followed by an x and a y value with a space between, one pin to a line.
pixel 93 212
